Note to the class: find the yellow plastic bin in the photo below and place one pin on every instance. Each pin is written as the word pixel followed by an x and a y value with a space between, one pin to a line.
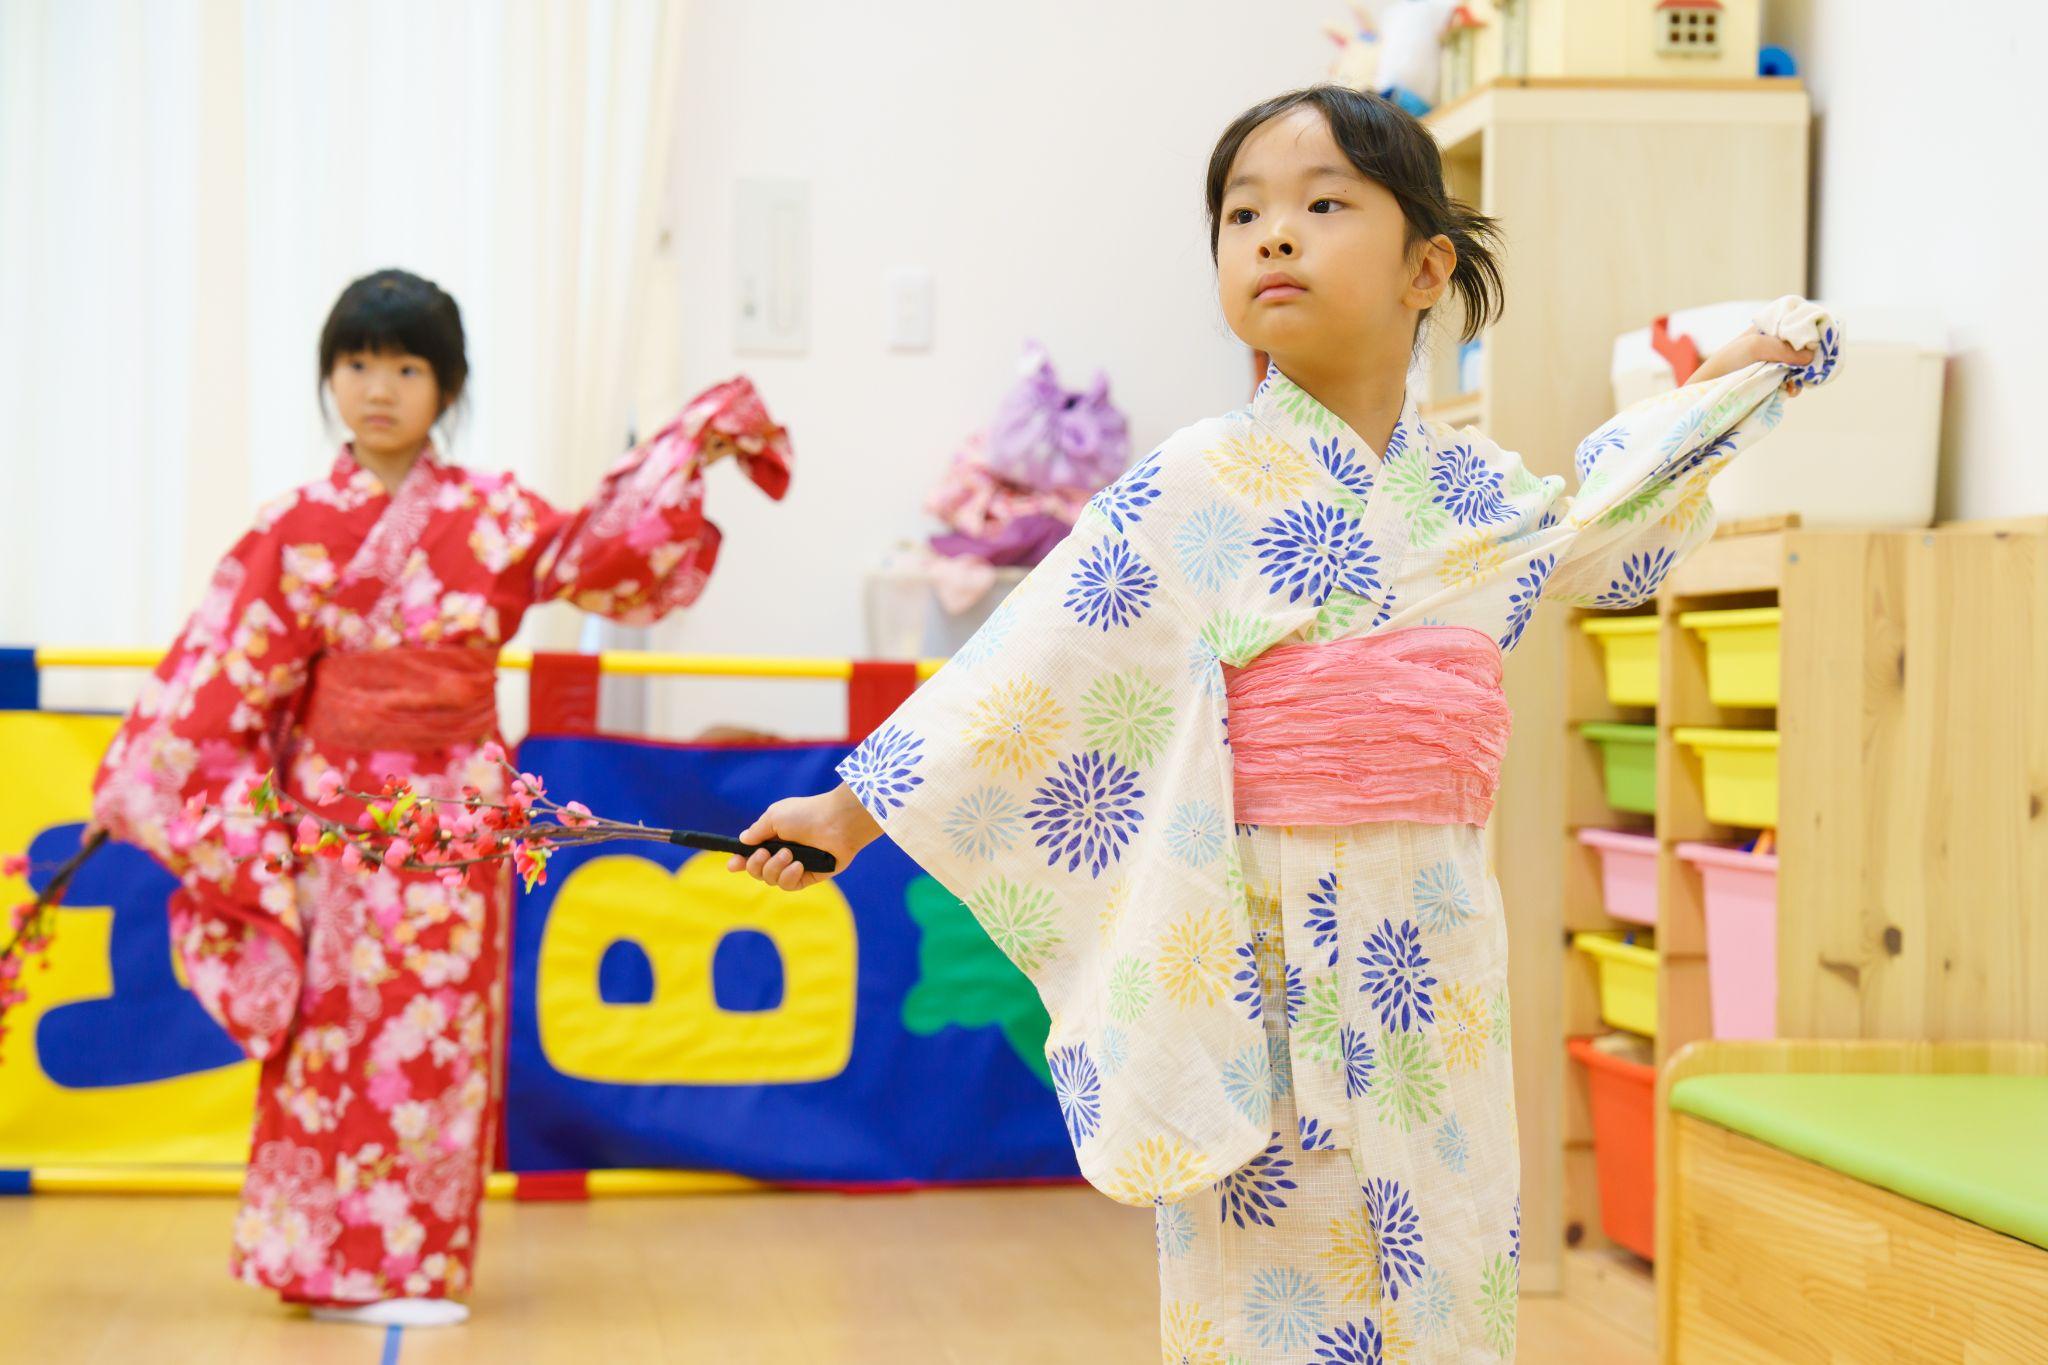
pixel 1630 646
pixel 1740 770
pixel 1742 654
pixel 1628 981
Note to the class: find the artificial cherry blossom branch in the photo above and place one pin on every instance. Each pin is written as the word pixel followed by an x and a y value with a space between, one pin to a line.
pixel 398 830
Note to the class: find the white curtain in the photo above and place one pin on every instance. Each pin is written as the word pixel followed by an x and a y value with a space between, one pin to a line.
pixel 185 185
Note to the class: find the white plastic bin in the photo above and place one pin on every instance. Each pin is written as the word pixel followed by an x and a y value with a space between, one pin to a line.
pixel 1861 450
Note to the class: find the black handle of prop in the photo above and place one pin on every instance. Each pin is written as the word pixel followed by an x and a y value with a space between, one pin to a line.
pixel 809 858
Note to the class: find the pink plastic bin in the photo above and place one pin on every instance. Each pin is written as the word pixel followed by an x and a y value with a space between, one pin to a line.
pixel 1742 938
pixel 1628 872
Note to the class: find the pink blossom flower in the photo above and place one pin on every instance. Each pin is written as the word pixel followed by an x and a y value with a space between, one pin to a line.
pixel 244 841
pixel 388 1204
pixel 530 862
pixel 388 1088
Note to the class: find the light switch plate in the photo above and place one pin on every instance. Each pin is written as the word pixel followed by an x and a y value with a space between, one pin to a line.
pixel 910 309
pixel 772 255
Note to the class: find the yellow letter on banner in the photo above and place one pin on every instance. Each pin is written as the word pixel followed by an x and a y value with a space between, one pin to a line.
pixel 681 1036
pixel 197 1118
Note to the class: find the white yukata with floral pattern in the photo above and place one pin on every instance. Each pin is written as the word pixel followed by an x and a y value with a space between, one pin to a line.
pixel 1292 1042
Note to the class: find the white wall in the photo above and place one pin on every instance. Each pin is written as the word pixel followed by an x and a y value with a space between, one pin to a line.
pixel 1931 188
pixel 1045 162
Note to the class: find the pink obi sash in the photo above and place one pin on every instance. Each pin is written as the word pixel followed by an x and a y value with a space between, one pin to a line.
pixel 1409 725
pixel 415 698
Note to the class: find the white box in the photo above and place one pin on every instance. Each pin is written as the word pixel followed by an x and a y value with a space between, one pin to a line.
pixel 1861 450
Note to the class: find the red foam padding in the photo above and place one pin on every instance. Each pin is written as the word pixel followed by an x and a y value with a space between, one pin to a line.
pixel 532 1187
pixel 873 693
pixel 563 700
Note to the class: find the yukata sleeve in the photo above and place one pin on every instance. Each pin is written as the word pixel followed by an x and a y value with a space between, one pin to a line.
pixel 1067 776
pixel 183 770
pixel 642 546
pixel 1643 501
pixel 1084 720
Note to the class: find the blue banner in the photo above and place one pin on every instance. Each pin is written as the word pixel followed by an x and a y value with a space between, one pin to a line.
pixel 666 1013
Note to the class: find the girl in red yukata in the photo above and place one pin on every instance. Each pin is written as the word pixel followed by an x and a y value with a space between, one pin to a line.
pixel 353 634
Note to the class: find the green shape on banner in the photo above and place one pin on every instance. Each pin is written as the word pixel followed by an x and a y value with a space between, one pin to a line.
pixel 964 979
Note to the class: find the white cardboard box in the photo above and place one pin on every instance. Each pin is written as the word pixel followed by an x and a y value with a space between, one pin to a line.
pixel 1862 450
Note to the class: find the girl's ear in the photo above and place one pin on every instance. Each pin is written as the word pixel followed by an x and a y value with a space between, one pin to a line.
pixel 1436 260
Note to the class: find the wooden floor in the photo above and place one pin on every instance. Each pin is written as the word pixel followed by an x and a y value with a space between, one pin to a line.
pixel 986 1277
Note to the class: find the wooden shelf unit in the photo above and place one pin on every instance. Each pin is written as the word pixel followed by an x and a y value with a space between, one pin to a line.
pixel 1913 776
pixel 1618 204
pixel 1729 572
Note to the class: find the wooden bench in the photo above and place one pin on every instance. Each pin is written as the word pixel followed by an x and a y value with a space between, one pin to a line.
pixel 1853 1201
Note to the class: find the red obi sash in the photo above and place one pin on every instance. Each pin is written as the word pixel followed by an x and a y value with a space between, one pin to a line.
pixel 414 698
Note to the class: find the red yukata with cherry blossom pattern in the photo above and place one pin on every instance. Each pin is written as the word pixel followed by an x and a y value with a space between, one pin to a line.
pixel 374 997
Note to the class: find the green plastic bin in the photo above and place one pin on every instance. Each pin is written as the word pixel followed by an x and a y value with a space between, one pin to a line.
pixel 1629 757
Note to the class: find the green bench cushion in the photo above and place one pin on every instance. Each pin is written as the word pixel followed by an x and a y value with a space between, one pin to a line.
pixel 1973 1146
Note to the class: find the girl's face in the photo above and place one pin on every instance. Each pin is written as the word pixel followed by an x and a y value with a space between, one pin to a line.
pixel 1312 258
pixel 388 399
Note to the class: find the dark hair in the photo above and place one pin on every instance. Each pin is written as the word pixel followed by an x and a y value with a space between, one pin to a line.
pixel 1391 148
pixel 395 310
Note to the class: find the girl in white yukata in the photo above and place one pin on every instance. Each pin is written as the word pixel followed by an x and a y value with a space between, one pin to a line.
pixel 1215 775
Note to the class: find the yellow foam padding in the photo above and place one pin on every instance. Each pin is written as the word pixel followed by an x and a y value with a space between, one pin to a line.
pixel 136 1180
pixel 1742 654
pixel 200 1119
pixel 1739 770
pixel 616 661
pixel 682 1036
pixel 1628 981
pixel 1630 646
pixel 625 1183
pixel 210 1180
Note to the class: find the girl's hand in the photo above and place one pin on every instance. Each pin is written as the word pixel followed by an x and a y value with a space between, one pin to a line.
pixel 1749 349
pixel 834 821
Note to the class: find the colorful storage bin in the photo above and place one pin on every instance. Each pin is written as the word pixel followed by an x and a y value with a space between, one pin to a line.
pixel 1740 771
pixel 1628 872
pixel 1623 1096
pixel 1629 756
pixel 1742 938
pixel 1742 654
pixel 1629 644
pixel 1628 981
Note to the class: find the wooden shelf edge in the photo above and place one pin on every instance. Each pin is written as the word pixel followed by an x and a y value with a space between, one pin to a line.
pixel 1463 410
pixel 1730 564
pixel 1455 122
